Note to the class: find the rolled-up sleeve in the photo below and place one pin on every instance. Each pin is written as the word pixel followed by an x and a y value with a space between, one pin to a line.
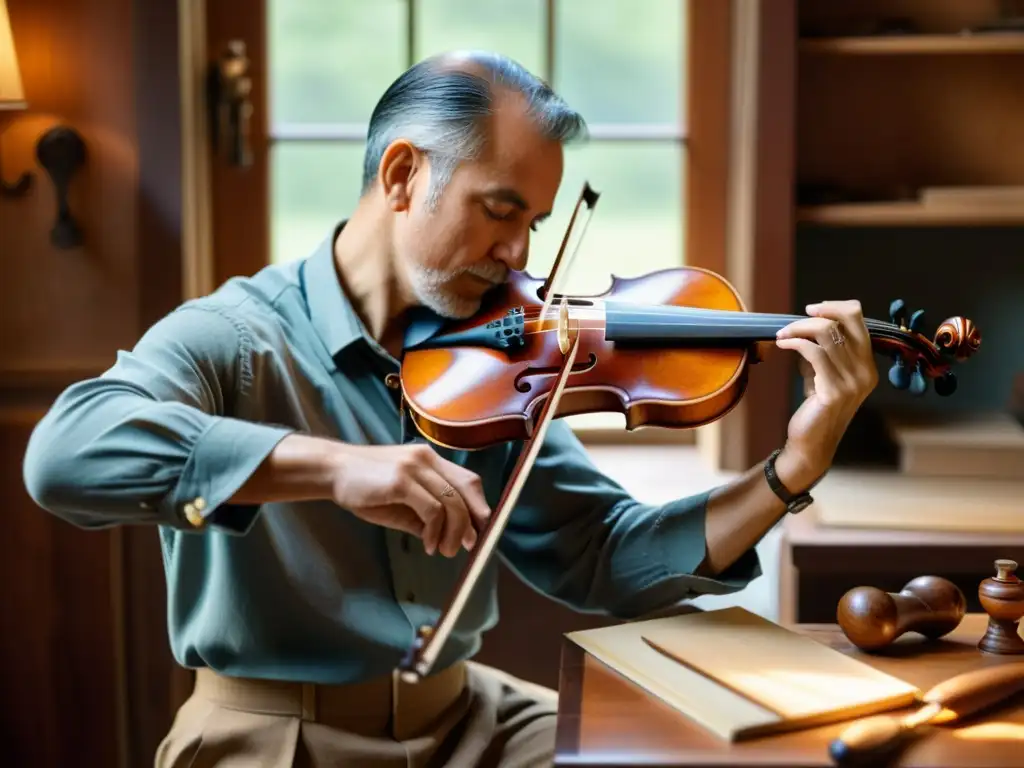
pixel 577 536
pixel 150 440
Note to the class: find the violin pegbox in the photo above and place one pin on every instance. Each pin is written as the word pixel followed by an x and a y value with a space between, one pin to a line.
pixel 916 359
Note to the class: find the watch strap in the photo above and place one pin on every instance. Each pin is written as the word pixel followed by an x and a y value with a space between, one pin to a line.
pixel 794 501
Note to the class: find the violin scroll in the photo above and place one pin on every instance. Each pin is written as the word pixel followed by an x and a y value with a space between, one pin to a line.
pixel 958 336
pixel 916 359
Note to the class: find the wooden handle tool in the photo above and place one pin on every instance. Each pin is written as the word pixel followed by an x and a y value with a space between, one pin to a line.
pixel 866 741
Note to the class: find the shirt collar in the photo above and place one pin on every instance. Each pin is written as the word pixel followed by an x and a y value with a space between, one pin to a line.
pixel 332 314
pixel 330 311
pixel 423 323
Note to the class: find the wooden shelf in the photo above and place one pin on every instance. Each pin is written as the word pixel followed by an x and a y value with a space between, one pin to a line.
pixel 916 44
pixel 908 214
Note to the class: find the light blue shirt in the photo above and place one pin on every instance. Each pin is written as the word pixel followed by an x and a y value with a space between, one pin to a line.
pixel 305 590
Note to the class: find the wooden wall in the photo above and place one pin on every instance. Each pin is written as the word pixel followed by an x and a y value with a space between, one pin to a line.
pixel 85 663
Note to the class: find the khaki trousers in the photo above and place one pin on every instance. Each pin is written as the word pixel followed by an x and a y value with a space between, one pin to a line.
pixel 468 715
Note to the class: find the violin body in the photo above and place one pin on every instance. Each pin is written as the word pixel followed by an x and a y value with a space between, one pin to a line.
pixel 671 348
pixel 469 396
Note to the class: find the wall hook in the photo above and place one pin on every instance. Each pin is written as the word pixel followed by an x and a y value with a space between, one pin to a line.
pixel 61 152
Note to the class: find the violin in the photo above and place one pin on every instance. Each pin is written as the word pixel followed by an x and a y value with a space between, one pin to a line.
pixel 672 348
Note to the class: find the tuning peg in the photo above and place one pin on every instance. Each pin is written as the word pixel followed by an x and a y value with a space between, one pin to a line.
pixel 918 383
pixel 916 320
pixel 945 385
pixel 898 375
pixel 898 312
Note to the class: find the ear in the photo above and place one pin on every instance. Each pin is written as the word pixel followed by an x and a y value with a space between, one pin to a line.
pixel 401 166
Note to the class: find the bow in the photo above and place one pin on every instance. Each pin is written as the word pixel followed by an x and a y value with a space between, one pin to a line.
pixel 430 639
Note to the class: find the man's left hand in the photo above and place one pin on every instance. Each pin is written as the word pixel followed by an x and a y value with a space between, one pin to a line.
pixel 839 372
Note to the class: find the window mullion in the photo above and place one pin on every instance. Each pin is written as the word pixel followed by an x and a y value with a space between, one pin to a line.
pixel 549 41
pixel 410 32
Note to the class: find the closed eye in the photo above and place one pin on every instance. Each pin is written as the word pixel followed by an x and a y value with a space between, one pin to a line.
pixel 499 216
pixel 512 215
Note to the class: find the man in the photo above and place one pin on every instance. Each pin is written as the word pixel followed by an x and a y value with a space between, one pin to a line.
pixel 259 429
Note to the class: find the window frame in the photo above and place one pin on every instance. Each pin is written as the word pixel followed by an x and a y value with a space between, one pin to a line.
pixel 228 228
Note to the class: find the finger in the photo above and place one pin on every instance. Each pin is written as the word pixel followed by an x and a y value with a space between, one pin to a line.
pixel 458 528
pixel 858 364
pixel 827 378
pixel 849 315
pixel 470 488
pixel 397 516
pixel 428 508
pixel 824 331
pixel 813 328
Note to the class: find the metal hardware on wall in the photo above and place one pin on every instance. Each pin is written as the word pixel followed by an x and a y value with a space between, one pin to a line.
pixel 230 87
pixel 18 188
pixel 61 152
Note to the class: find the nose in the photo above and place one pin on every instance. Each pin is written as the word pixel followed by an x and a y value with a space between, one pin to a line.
pixel 515 251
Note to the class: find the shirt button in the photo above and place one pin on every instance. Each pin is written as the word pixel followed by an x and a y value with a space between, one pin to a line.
pixel 405 542
pixel 392 381
pixel 193 516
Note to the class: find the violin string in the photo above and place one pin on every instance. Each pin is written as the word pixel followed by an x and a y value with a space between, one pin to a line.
pixel 753 330
pixel 767 331
pixel 687 316
pixel 711 314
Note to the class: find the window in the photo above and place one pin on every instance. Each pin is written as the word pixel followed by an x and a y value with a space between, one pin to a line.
pixel 620 62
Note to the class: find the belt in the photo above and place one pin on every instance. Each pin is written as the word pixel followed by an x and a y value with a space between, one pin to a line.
pixel 383 706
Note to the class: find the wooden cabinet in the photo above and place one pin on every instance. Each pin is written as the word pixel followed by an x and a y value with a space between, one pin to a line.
pixel 909 113
pixel 908 181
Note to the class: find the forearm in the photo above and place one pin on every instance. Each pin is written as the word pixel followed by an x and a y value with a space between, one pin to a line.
pixel 107 454
pixel 741 512
pixel 300 468
pixel 581 538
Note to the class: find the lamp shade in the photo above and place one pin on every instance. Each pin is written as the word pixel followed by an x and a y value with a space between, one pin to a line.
pixel 11 94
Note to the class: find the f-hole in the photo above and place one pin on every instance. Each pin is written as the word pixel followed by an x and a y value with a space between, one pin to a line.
pixel 522 385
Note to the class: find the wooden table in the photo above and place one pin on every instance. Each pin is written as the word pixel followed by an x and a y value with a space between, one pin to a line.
pixel 606 720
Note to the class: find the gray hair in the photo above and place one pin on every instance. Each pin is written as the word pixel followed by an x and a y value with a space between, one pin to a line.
pixel 439 109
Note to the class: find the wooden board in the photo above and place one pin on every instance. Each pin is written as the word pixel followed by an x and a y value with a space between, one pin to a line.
pixel 969 445
pixel 739 675
pixel 967 195
pixel 888 499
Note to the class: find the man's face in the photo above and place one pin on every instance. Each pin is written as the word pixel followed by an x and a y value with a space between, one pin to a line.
pixel 480 227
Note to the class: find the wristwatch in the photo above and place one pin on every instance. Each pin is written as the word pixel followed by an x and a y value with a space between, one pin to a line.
pixel 795 502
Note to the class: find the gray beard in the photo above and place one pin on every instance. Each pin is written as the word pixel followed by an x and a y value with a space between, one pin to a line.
pixel 430 287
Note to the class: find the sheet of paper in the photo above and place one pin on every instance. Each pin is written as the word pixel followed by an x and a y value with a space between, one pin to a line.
pixel 788 673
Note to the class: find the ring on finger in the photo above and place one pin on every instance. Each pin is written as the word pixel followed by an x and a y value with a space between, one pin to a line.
pixel 837 336
pixel 448 490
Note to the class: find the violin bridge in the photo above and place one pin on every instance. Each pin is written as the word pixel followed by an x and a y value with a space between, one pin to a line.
pixel 563 326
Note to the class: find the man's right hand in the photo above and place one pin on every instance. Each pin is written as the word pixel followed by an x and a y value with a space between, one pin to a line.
pixel 411 488
pixel 405 487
